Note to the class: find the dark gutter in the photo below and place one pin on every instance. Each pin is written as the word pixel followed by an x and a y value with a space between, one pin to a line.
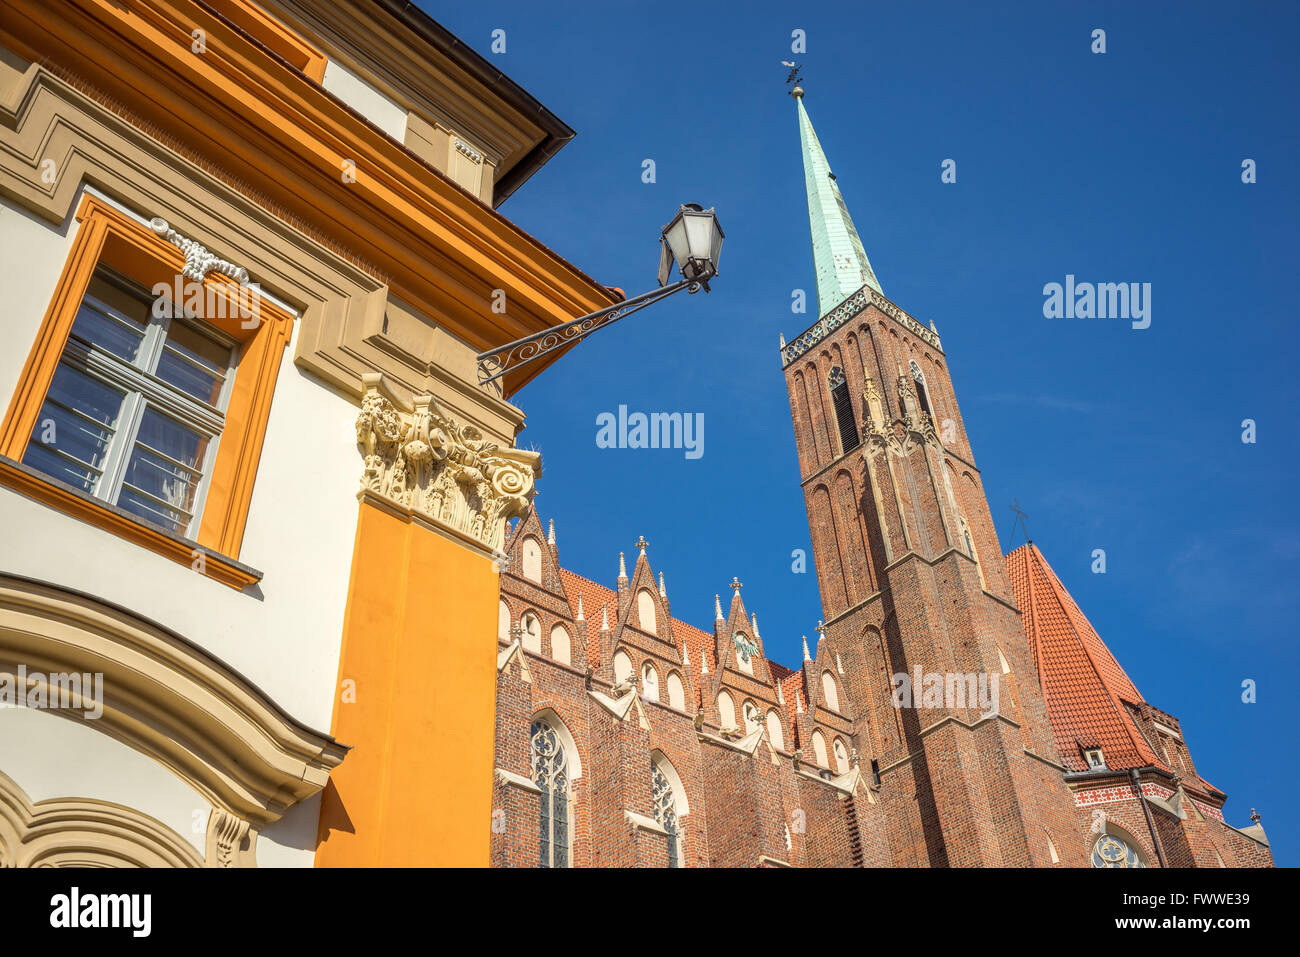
pixel 557 132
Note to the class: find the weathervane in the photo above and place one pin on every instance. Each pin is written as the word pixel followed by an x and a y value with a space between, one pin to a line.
pixel 1020 521
pixel 793 79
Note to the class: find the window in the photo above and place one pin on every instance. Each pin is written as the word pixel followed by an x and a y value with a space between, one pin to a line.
pixel 830 694
pixel 135 407
pixel 726 710
pixel 560 645
pixel 841 757
pixel 843 410
pixel 532 629
pixel 1111 850
pixel 676 692
pixel 649 682
pixel 1094 758
pixel 665 808
pixel 147 426
pixel 918 380
pixel 532 559
pixel 645 611
pixel 774 732
pixel 551 775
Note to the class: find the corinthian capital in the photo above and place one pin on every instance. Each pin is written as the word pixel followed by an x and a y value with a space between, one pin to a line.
pixel 431 465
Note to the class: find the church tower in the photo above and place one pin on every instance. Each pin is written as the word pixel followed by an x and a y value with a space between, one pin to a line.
pixel 911 574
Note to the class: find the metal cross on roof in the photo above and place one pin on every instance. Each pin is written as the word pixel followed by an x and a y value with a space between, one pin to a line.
pixel 736 584
pixel 641 543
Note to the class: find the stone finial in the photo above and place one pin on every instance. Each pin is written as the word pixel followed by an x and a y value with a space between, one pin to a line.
pixel 1254 816
pixel 736 584
pixel 604 619
pixel 581 615
pixel 686 655
pixel 622 568
pixel 780 694
pixel 663 592
pixel 782 335
pixel 806 656
pixel 839 664
pixel 717 608
pixel 798 702
pixel 641 543
pixel 550 532
pixel 753 624
pixel 704 663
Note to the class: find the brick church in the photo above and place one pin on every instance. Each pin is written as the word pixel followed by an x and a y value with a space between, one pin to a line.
pixel 956 708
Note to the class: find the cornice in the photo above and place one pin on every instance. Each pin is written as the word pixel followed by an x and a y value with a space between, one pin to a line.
pixel 286 137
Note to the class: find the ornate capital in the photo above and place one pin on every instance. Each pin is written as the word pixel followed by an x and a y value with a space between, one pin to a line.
pixel 427 462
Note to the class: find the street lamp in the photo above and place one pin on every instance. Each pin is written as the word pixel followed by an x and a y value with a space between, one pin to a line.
pixel 692 240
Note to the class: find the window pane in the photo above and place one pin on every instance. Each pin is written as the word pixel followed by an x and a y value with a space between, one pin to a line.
pixel 194 363
pixel 59 429
pixel 169 518
pixel 92 398
pixel 153 474
pixel 56 466
pixel 164 434
pixel 118 330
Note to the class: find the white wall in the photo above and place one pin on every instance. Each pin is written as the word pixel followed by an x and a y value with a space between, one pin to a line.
pixel 366 100
pixel 53 757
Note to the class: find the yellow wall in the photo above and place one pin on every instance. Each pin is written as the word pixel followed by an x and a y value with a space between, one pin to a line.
pixel 418 641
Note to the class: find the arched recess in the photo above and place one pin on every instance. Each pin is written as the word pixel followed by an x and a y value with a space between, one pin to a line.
pixel 774 732
pixel 676 692
pixel 819 750
pixel 561 646
pixel 532 559
pixel 645 611
pixel 83 832
pixel 726 710
pixel 174 703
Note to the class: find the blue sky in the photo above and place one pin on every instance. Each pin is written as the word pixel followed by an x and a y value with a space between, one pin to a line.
pixel 1122 167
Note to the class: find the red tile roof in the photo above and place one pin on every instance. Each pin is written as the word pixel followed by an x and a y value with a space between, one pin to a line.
pixel 1083 685
pixel 593 598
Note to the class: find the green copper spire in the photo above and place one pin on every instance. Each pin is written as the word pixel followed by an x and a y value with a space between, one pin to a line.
pixel 839 260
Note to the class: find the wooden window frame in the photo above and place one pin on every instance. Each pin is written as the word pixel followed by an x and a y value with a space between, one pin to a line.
pixel 107 236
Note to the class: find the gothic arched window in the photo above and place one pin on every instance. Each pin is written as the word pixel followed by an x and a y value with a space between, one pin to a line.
pixel 665 808
pixel 843 410
pixel 918 380
pixel 551 775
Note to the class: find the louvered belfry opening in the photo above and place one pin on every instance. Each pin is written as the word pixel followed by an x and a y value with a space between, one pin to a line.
pixel 843 410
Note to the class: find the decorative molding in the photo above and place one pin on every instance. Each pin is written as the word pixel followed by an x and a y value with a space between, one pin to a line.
pixel 468 151
pixel 171 701
pixel 198 261
pixel 83 832
pixel 231 840
pixel 430 465
pixel 850 307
